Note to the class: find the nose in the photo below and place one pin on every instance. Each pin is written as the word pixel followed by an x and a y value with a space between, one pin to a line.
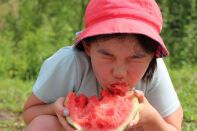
pixel 119 73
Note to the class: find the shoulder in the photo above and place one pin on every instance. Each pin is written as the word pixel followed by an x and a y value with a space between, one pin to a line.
pixel 60 73
pixel 161 77
pixel 66 60
pixel 161 68
pixel 67 55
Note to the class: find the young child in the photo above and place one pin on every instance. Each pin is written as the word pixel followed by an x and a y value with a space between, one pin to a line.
pixel 119 45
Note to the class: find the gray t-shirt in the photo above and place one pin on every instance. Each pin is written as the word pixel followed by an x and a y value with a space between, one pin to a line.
pixel 70 70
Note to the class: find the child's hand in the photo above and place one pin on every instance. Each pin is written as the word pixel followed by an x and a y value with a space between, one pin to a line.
pixel 146 111
pixel 61 113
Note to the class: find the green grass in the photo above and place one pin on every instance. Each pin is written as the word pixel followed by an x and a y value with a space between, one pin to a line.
pixel 13 94
pixel 185 82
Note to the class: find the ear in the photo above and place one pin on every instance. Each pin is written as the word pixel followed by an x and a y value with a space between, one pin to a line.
pixel 86 47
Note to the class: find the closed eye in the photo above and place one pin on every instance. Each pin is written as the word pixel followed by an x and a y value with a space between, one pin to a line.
pixel 137 57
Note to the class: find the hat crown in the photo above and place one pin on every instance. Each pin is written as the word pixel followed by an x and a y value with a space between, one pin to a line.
pixel 144 10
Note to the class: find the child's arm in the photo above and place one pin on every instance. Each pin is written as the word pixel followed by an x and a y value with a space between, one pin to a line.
pixel 151 120
pixel 35 107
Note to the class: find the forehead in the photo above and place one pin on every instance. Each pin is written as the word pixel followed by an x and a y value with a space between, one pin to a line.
pixel 127 41
pixel 117 37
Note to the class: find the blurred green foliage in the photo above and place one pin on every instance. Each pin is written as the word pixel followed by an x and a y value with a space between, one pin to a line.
pixel 180 30
pixel 32 30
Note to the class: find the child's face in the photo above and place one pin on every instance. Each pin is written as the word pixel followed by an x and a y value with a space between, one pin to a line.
pixel 118 61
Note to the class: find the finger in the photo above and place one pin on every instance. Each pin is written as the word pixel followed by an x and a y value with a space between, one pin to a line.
pixel 60 102
pixel 59 106
pixel 140 95
pixel 65 124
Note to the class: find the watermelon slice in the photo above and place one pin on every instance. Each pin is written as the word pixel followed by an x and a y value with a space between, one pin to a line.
pixel 111 112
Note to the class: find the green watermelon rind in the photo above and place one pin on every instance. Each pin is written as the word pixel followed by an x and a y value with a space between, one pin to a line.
pixel 120 128
pixel 73 124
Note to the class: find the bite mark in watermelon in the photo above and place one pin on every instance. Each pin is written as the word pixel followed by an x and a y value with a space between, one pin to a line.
pixel 111 112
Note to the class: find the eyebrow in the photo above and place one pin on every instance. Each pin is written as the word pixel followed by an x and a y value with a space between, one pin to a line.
pixel 138 55
pixel 104 52
pixel 134 55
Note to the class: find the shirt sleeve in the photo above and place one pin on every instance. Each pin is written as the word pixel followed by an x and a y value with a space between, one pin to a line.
pixel 56 76
pixel 160 91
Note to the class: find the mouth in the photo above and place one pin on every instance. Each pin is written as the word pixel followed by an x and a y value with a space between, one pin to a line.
pixel 122 84
pixel 119 87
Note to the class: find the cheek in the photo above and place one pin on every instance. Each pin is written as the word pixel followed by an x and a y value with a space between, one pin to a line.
pixel 136 72
pixel 139 70
pixel 102 71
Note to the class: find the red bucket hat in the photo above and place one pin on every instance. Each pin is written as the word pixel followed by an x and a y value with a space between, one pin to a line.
pixel 124 16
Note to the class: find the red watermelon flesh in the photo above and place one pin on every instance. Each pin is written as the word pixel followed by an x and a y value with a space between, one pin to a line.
pixel 110 112
pixel 119 88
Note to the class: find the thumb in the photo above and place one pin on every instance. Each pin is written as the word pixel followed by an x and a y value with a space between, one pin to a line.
pixel 140 95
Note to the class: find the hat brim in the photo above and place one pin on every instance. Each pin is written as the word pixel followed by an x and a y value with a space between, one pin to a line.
pixel 122 25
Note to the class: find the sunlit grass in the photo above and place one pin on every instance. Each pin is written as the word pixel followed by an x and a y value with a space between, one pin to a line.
pixel 13 94
pixel 185 82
